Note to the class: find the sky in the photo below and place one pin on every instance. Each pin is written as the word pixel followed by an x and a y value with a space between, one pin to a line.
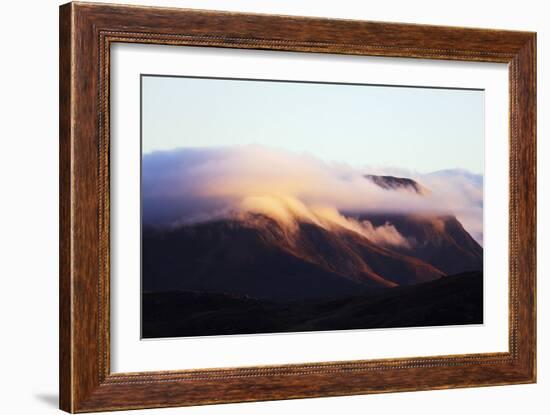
pixel 417 129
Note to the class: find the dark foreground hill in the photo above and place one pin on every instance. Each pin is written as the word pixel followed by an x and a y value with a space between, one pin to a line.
pixel 452 300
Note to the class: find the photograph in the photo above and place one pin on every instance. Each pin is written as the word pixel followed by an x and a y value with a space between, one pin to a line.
pixel 279 206
pixel 275 207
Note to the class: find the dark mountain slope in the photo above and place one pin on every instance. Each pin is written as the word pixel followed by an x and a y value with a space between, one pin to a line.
pixel 225 257
pixel 347 253
pixel 259 258
pixel 397 183
pixel 439 240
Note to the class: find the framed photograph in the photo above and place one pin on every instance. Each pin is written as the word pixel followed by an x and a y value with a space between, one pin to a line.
pixel 258 207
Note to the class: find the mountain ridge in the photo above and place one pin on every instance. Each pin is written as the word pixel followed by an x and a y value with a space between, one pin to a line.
pixel 397 183
pixel 253 254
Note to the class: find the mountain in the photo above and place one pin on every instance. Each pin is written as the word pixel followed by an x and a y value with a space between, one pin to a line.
pixel 254 255
pixel 228 256
pixel 397 183
pixel 439 240
pixel 256 240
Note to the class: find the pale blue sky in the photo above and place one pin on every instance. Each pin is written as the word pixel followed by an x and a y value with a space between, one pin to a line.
pixel 421 129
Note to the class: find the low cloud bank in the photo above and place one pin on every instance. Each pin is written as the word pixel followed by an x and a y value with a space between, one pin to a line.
pixel 201 184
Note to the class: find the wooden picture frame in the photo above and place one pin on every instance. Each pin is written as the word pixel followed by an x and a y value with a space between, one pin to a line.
pixel 86 33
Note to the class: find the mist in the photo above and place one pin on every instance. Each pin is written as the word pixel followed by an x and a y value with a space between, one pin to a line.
pixel 192 185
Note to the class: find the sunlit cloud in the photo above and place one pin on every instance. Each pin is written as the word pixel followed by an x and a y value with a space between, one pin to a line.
pixel 195 185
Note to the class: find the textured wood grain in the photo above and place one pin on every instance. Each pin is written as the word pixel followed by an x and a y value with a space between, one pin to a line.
pixel 86 33
pixel 65 246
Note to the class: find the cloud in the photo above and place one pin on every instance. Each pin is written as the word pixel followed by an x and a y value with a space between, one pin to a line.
pixel 193 185
pixel 289 212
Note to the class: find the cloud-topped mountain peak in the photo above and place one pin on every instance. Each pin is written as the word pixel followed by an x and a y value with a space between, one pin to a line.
pixel 200 184
pixel 397 183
